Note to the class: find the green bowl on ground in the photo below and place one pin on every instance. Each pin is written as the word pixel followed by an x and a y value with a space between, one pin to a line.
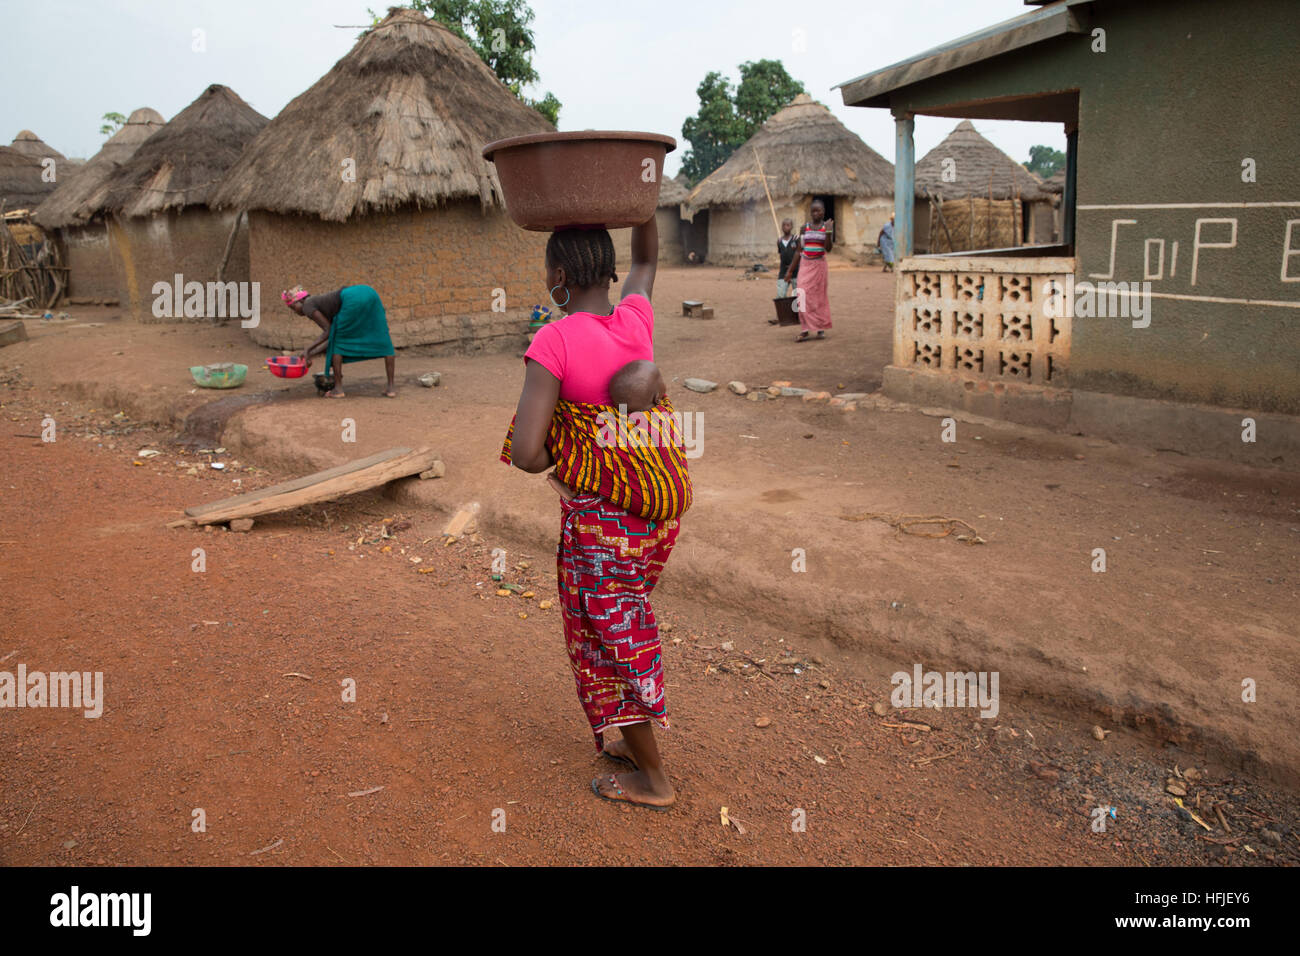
pixel 219 375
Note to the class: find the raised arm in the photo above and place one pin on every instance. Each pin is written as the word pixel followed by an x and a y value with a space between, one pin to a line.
pixel 533 418
pixel 645 259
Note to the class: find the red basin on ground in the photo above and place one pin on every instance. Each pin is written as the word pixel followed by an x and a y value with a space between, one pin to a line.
pixel 287 366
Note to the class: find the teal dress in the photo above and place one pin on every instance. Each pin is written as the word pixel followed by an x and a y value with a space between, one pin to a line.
pixel 360 329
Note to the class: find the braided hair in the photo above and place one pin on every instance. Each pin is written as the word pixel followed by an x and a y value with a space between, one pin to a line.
pixel 585 255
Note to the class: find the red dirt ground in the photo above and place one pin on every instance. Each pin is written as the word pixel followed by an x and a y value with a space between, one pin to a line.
pixel 464 707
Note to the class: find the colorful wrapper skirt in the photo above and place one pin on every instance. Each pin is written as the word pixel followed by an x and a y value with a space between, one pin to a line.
pixel 608 562
pixel 815 312
pixel 360 330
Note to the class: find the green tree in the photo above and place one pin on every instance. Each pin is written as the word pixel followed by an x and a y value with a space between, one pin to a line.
pixel 499 32
pixel 714 132
pixel 1044 161
pixel 729 116
pixel 112 123
pixel 765 88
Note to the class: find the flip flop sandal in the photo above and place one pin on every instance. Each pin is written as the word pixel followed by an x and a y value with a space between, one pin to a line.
pixel 613 782
pixel 803 337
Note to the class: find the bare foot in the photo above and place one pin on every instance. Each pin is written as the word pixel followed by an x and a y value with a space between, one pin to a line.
pixel 391 393
pixel 561 488
pixel 635 788
pixel 335 393
pixel 620 751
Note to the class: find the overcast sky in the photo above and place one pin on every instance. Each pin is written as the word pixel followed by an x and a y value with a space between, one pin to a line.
pixel 614 64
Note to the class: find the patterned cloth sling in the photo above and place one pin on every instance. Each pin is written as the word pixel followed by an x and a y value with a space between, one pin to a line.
pixel 637 462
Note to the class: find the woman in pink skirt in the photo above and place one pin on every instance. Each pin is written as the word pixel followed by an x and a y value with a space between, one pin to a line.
pixel 813 303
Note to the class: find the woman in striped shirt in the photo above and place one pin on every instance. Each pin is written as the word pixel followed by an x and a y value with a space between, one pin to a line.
pixel 812 302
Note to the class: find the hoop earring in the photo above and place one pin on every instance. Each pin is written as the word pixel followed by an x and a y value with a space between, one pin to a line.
pixel 567 296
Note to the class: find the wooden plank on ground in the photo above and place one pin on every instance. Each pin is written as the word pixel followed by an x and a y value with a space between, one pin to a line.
pixel 325 485
pixel 11 332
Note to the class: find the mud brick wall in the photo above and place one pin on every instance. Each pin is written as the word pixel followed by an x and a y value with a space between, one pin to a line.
pixel 190 242
pixel 740 235
pixel 671 252
pixel 435 270
pixel 94 271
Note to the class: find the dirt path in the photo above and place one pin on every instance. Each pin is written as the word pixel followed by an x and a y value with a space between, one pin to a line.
pixel 464 707
pixel 1200 591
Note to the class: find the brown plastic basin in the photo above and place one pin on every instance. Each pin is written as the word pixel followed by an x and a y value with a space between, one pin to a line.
pixel 582 178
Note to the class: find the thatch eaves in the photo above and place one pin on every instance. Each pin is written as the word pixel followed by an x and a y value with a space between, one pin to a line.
pixel 405 114
pixel 77 196
pixel 181 164
pixel 21 183
pixel 672 192
pixel 802 150
pixel 978 166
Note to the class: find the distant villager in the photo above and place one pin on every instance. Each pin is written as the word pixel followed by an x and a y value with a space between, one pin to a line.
pixel 354 329
pixel 816 239
pixel 800 154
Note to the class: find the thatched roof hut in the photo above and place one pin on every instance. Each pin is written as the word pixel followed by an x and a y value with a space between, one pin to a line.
pixel 32 145
pixel 77 198
pixel 803 150
pixel 1055 183
pixel 977 166
pixel 21 184
pixel 410 106
pixel 375 175
pixel 156 203
pixel 673 192
pixel 181 164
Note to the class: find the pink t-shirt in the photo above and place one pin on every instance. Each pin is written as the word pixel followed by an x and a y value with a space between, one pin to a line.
pixel 584 351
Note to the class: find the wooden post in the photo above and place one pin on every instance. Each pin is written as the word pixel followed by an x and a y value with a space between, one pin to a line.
pixel 904 184
pixel 988 221
pixel 770 204
pixel 230 244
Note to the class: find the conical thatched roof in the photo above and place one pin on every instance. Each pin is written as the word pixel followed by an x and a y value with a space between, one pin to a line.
pixel 73 202
pixel 1055 183
pixel 181 164
pixel 21 186
pixel 672 192
pixel 30 144
pixel 803 149
pixel 411 106
pixel 974 159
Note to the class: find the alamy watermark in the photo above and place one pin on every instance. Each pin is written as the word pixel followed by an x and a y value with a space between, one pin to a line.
pixel 179 299
pixel 639 429
pixel 939 690
pixel 73 689
pixel 127 910
pixel 1100 300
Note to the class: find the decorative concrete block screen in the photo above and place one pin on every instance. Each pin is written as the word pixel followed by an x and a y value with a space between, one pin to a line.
pixel 985 318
